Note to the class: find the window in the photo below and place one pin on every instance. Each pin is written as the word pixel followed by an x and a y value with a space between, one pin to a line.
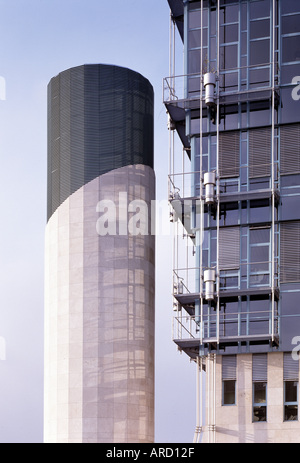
pixel 291 387
pixel 229 14
pixel 291 49
pixel 259 9
pixel 290 400
pixel 229 380
pixel 291 24
pixel 259 401
pixel 290 6
pixel 229 57
pixel 259 52
pixel 259 378
pixel 229 392
pixel 259 315
pixel 260 256
pixel 289 106
pixel 258 29
pixel 194 39
pixel 229 33
pixel 290 31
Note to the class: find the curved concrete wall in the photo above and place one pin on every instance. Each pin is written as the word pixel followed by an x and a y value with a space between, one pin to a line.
pixel 99 318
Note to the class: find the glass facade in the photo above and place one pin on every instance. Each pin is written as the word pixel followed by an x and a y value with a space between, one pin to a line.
pixel 237 101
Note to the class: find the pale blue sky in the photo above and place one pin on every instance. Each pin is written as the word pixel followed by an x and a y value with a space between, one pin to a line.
pixel 39 39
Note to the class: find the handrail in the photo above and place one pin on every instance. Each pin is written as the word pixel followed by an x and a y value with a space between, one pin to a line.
pixel 169 84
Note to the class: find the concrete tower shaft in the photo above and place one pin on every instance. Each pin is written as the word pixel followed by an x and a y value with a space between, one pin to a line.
pixel 99 287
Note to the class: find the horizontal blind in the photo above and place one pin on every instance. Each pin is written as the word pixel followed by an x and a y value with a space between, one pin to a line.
pixel 290 252
pixel 290 367
pixel 229 367
pixel 290 149
pixel 229 248
pixel 260 153
pixel 229 163
pixel 260 367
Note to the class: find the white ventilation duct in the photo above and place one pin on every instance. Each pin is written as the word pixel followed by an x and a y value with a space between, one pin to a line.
pixel 209 183
pixel 209 280
pixel 209 85
pixel 180 287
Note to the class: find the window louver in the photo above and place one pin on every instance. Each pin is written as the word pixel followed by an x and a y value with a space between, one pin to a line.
pixel 229 248
pixel 229 367
pixel 290 368
pixel 290 149
pixel 290 252
pixel 229 154
pixel 259 367
pixel 260 153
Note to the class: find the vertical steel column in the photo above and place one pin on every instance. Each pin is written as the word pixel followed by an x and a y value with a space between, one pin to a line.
pixel 211 397
pixel 208 398
pixel 214 396
pixel 218 174
pixel 172 39
pixel 201 181
pixel 199 400
pixel 273 168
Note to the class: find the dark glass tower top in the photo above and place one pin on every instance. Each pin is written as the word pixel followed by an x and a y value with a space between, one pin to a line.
pixel 100 118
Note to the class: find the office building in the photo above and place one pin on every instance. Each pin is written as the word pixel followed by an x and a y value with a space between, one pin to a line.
pixel 234 190
pixel 99 281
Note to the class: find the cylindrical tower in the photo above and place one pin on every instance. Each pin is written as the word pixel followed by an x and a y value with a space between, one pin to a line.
pixel 99 278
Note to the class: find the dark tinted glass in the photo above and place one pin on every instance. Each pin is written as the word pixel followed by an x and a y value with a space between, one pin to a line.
pixel 229 33
pixel 260 29
pixel 289 106
pixel 229 392
pixel 291 413
pixel 290 6
pixel 290 303
pixel 259 52
pixel 260 400
pixel 288 72
pixel 291 49
pixel 229 14
pixel 260 393
pixel 100 118
pixel 291 24
pixel 228 55
pixel 291 391
pixel 260 414
pixel 259 9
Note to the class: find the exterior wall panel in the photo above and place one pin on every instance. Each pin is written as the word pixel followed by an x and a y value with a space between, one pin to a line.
pixel 234 424
pixel 240 110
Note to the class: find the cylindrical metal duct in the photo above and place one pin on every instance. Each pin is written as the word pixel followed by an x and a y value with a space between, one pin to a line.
pixel 209 85
pixel 209 280
pixel 209 183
